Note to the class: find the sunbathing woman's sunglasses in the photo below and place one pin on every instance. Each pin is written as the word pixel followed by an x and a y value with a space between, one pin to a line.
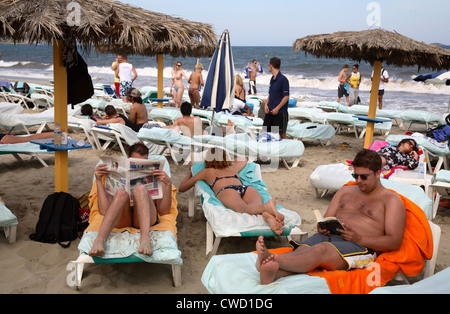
pixel 363 176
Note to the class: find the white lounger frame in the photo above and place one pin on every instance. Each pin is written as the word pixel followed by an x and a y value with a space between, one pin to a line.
pixel 76 271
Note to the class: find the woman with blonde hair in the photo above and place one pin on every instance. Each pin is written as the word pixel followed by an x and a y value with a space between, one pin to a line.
pixel 221 174
pixel 195 80
pixel 239 107
pixel 177 87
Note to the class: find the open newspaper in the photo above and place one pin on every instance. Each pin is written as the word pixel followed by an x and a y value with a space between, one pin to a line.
pixel 127 173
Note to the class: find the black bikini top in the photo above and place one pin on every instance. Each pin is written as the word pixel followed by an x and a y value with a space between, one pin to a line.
pixel 220 178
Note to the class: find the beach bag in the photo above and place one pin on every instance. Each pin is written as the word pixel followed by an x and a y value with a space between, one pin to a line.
pixel 58 220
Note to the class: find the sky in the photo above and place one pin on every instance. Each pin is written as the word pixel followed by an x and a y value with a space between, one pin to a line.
pixel 281 22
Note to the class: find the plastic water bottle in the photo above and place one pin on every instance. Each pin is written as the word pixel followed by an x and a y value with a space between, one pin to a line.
pixel 57 140
pixel 64 140
pixel 421 170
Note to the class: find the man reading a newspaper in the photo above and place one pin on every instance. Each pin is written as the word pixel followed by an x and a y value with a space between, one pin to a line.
pixel 373 219
pixel 142 214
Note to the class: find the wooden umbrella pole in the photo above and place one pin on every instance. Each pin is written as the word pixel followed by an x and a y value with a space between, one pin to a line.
pixel 373 103
pixel 160 60
pixel 60 100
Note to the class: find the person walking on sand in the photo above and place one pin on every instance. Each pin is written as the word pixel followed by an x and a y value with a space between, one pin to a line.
pixel 127 75
pixel 195 81
pixel 373 218
pixel 114 67
pixel 342 91
pixel 354 79
pixel 384 78
pixel 177 87
pixel 142 214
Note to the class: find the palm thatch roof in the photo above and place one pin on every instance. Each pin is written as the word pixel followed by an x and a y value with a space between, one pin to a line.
pixel 377 44
pixel 110 26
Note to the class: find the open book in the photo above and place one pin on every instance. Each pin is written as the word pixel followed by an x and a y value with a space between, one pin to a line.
pixel 127 173
pixel 331 224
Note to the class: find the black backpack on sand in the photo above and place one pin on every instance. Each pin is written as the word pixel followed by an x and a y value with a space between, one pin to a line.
pixel 58 220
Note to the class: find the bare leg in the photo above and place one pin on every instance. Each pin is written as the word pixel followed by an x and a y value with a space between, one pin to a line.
pixel 302 260
pixel 252 204
pixel 118 207
pixel 144 217
pixel 9 139
pixel 196 95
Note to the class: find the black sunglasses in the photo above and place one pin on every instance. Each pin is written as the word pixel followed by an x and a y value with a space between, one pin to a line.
pixel 363 176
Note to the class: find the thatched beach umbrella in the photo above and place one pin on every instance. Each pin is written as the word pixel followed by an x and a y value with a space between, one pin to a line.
pixel 97 23
pixel 375 46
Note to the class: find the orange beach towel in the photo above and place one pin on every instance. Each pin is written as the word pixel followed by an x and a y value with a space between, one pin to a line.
pixel 416 246
pixel 166 222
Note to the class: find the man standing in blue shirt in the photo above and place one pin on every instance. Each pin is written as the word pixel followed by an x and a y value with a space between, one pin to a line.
pixel 276 104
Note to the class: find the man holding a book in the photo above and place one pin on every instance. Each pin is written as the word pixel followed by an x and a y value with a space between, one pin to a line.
pixel 367 219
pixel 135 208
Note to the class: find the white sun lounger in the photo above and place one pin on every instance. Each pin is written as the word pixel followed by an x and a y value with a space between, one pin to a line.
pixel 440 189
pixel 29 149
pixel 420 117
pixel 332 106
pixel 439 283
pixel 82 125
pixel 431 149
pixel 178 146
pixel 164 244
pixel 25 120
pixel 42 100
pixel 223 222
pixel 394 115
pixel 241 144
pixel 321 132
pixel 118 134
pixel 9 222
pixel 166 115
pixel 339 120
pixel 315 115
pixel 224 271
pixel 10 107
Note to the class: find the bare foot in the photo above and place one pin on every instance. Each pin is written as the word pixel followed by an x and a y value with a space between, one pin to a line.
pixel 269 268
pixel 262 252
pixel 145 247
pixel 271 207
pixel 97 248
pixel 274 224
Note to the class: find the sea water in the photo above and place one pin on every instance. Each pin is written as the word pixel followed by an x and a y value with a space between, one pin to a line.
pixel 311 79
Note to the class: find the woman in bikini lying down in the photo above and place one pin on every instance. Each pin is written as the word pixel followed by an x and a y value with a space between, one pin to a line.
pixel 221 174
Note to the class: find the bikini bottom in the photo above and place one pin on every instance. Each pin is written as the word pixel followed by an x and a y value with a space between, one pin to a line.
pixel 241 189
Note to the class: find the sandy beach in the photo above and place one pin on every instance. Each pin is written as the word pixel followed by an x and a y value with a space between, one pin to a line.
pixel 30 267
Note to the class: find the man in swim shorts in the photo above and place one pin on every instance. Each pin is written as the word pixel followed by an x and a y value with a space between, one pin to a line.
pixel 142 214
pixel 253 70
pixel 342 91
pixel 373 218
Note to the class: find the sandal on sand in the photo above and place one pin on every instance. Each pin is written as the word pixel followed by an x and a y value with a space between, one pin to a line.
pixel 343 145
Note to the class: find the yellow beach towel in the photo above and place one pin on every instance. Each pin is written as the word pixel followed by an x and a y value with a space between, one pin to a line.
pixel 166 222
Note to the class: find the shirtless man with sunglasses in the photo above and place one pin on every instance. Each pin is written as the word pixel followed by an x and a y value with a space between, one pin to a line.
pixel 373 218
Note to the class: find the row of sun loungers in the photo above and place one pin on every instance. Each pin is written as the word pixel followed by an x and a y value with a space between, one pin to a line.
pixel 222 271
